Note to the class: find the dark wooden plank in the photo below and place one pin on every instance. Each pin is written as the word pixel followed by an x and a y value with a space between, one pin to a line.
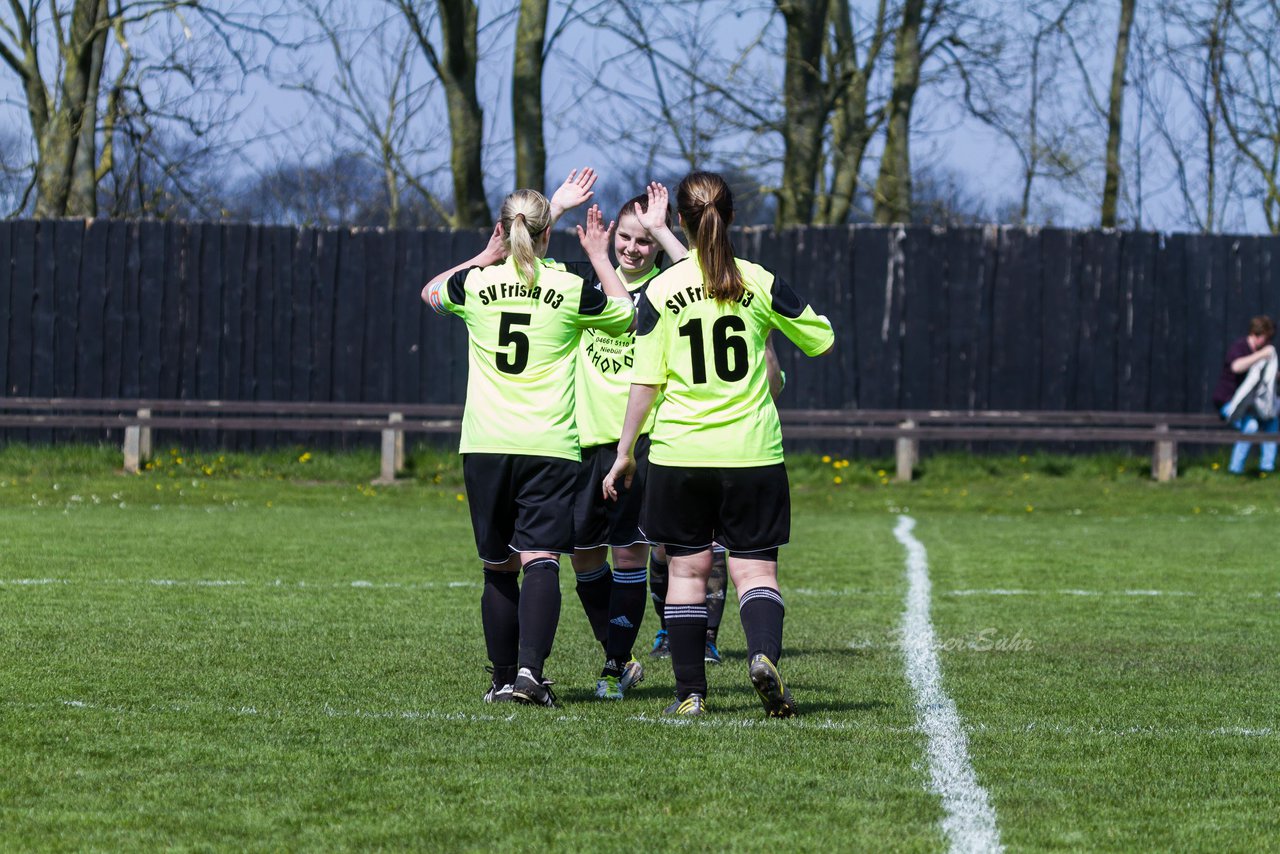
pixel 1212 255
pixel 302 356
pixel 113 309
pixel 919 280
pixel 324 290
pixel 212 321
pixel 1172 328
pixel 872 289
pixel 282 259
pixel 982 337
pixel 381 304
pixel 44 309
pixel 6 299
pixel 1016 319
pixel 411 315
pixel 1135 346
pixel 939 317
pixel 1059 306
pixel 169 371
pixel 130 346
pixel 68 241
pixel 91 353
pixel 350 305
pixel 965 304
pixel 151 307
pixel 441 371
pixel 234 240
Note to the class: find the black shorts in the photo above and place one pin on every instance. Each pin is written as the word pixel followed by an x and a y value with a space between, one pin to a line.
pixel 597 521
pixel 519 503
pixel 743 509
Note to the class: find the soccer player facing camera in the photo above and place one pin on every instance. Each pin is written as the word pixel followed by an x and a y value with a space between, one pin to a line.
pixel 524 316
pixel 716 469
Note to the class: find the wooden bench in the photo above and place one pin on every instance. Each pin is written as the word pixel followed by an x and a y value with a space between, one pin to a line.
pixel 907 428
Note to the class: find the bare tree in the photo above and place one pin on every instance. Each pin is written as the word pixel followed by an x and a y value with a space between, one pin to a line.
pixel 1115 115
pixel 854 118
pixel 75 112
pixel 455 66
pixel 375 105
pixel 1248 90
pixel 807 107
pixel 526 94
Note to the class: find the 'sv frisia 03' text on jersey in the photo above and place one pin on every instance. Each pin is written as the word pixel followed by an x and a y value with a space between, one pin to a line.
pixel 603 378
pixel 709 356
pixel 520 360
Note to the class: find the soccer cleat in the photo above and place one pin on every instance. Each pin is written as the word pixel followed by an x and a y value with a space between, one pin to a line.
pixel 498 694
pixel 661 646
pixel 532 691
pixel 632 674
pixel 691 706
pixel 711 655
pixel 777 700
pixel 608 688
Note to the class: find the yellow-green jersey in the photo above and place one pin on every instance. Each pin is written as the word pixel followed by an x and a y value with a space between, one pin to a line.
pixel 520 361
pixel 603 378
pixel 709 357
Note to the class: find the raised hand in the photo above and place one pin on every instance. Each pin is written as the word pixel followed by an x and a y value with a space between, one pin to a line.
pixel 655 217
pixel 595 237
pixel 496 250
pixel 576 190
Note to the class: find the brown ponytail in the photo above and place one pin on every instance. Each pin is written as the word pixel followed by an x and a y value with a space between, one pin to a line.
pixel 525 216
pixel 706 208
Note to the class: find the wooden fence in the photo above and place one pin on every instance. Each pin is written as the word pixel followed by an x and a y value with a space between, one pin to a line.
pixel 960 318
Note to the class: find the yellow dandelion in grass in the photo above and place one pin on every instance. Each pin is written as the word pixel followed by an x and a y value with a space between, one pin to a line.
pixel 1263 474
pixel 305 458
pixel 1022 459
pixel 1026 477
pixel 207 471
pixel 880 473
pixel 158 486
pixel 461 497
pixel 268 503
pixel 1030 509
pixel 884 481
pixel 1215 466
pixel 178 461
pixel 844 464
pixel 837 479
pixel 964 493
pixel 1120 469
pixel 1195 510
pixel 826 458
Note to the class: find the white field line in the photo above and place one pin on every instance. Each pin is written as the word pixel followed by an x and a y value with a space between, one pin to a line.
pixel 361 584
pixel 515 714
pixel 969 822
pixel 358 584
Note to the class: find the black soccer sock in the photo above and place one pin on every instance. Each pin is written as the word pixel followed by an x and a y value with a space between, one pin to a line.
pixel 626 612
pixel 539 612
pixel 687 632
pixel 762 612
pixel 500 615
pixel 658 587
pixel 717 582
pixel 594 589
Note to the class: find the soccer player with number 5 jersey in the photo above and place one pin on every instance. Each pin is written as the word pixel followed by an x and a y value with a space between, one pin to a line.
pixel 524 316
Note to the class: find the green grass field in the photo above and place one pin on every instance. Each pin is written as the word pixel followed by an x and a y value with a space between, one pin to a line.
pixel 264 652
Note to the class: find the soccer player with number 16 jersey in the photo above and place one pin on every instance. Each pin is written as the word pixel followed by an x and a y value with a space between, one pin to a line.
pixel 716 469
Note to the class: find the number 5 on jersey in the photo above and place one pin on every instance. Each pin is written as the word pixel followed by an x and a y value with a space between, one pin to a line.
pixel 514 361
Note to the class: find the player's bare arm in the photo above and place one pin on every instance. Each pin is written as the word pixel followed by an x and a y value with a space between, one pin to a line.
pixel 638 406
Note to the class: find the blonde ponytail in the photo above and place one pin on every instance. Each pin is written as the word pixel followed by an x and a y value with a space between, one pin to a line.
pixel 706 208
pixel 525 216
